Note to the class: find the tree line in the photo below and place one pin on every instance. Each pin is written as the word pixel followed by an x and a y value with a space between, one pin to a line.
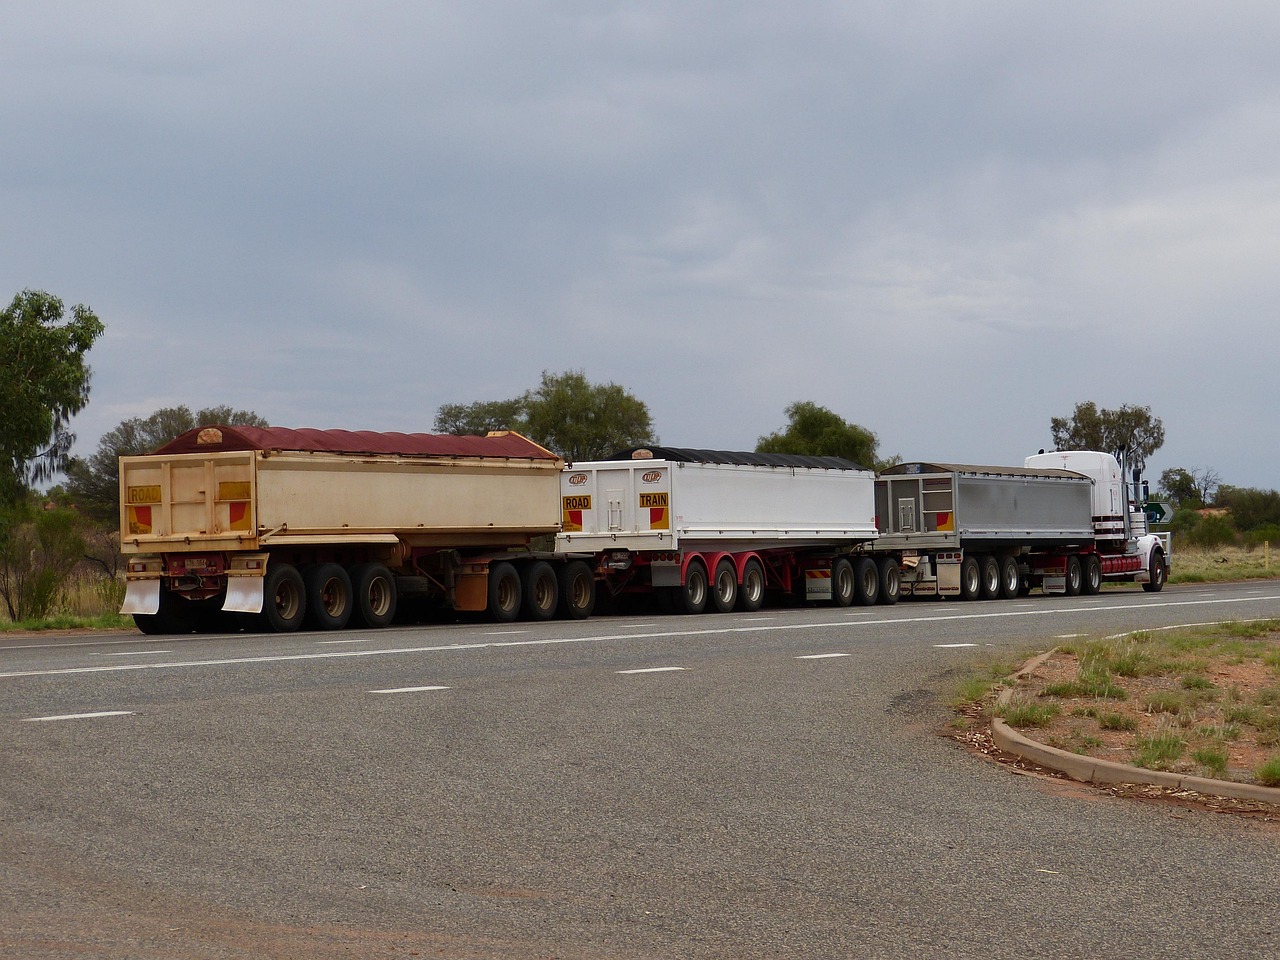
pixel 44 382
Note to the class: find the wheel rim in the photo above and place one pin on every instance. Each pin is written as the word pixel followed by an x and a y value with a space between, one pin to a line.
pixel 543 594
pixel 870 582
pixel 379 597
pixel 287 600
pixel 752 585
pixel 844 583
pixel 333 598
pixel 892 581
pixel 581 589
pixel 508 593
pixel 696 587
pixel 725 586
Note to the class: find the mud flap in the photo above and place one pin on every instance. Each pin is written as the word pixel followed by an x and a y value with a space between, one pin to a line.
pixel 244 595
pixel 141 596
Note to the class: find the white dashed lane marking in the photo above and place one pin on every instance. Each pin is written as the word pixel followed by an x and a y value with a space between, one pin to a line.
pixel 81 716
pixel 409 690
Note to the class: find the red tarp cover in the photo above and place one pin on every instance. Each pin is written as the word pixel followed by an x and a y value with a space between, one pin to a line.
pixel 506 445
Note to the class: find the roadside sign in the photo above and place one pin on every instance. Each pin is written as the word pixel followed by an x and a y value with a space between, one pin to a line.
pixel 1159 512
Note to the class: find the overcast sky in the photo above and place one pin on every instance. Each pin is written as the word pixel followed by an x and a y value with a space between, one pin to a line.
pixel 948 222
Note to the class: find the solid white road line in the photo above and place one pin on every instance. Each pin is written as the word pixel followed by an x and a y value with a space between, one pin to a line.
pixel 81 716
pixel 823 656
pixel 607 637
pixel 653 670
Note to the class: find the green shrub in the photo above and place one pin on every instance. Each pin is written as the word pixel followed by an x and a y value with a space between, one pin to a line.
pixel 1211 531
pixel 1212 759
pixel 1161 750
pixel 1117 721
pixel 1020 713
pixel 1268 774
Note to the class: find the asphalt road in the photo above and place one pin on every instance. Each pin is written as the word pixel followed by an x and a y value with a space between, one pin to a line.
pixel 741 786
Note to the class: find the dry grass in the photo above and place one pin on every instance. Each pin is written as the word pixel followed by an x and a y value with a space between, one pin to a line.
pixel 1201 565
pixel 84 602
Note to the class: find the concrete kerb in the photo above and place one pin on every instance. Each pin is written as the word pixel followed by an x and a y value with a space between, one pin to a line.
pixel 1092 770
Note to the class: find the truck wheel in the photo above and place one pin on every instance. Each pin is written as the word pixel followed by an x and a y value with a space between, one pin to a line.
pixel 1159 573
pixel 970 579
pixel 867 581
pixel 328 597
pixel 843 583
pixel 504 592
pixel 692 597
pixel 1092 575
pixel 751 594
pixel 890 580
pixel 725 588
pixel 990 577
pixel 541 592
pixel 1010 578
pixel 284 599
pixel 577 591
pixel 375 594
pixel 1075 578
pixel 170 618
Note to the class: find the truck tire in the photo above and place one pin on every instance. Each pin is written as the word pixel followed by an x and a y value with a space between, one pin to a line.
pixel 724 589
pixel 867 581
pixel 170 618
pixel 890 580
pixel 1075 576
pixel 329 599
pixel 1092 575
pixel 1010 577
pixel 504 592
pixel 990 577
pixel 970 579
pixel 751 593
pixel 844 585
pixel 577 591
pixel 284 599
pixel 375 594
pixel 541 591
pixel 693 596
pixel 1158 571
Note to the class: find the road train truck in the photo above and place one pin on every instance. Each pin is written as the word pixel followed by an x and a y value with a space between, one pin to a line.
pixel 275 529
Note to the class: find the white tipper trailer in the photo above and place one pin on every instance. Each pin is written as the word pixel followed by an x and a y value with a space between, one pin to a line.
pixel 1065 522
pixel 275 529
pixel 715 530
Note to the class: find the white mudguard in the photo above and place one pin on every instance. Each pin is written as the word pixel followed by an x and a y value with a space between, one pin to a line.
pixel 141 596
pixel 244 595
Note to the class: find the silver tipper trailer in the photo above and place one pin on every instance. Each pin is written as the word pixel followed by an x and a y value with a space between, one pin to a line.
pixel 938 515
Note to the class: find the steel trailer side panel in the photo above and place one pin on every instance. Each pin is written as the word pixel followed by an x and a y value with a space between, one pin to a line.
pixel 944 510
pixel 1024 507
pixel 450 501
pixel 245 500
pixel 664 505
